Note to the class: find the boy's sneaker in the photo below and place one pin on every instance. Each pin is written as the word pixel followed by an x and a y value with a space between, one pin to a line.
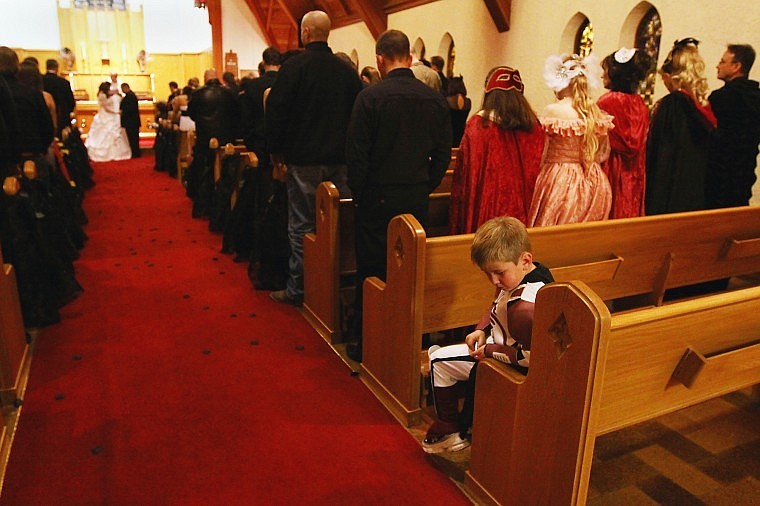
pixel 445 443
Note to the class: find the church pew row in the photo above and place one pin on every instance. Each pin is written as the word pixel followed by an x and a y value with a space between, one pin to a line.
pixel 329 254
pixel 330 257
pixel 15 359
pixel 185 144
pixel 232 157
pixel 431 284
pixel 592 373
pixel 14 346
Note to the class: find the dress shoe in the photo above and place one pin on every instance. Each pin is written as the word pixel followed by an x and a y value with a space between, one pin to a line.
pixel 282 297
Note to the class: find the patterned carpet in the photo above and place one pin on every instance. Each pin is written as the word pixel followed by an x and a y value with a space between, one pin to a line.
pixel 707 454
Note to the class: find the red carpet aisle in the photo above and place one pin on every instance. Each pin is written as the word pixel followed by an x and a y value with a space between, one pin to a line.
pixel 170 381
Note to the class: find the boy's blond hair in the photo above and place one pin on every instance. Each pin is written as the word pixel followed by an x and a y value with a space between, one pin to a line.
pixel 501 239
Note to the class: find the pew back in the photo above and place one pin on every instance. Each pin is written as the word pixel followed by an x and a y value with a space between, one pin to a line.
pixel 14 348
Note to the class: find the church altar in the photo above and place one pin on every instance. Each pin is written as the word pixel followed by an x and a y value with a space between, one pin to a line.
pixel 86 110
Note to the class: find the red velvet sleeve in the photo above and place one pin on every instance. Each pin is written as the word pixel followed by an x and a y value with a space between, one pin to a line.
pixel 631 118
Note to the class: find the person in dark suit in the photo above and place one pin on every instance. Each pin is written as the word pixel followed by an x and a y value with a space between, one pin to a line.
pixel 63 97
pixel 130 119
pixel 398 146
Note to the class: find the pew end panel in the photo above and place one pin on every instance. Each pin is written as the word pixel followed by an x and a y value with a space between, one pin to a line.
pixel 321 272
pixel 15 357
pixel 392 323
pixel 537 455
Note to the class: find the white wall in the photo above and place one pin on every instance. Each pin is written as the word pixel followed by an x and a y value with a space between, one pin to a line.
pixel 171 26
pixel 354 37
pixel 241 34
pixel 537 27
pixel 16 18
pixel 175 26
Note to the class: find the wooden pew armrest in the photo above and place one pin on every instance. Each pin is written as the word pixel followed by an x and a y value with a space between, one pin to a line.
pixel 599 270
pixel 741 248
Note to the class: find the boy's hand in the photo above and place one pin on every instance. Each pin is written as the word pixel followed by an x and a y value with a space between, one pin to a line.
pixel 475 339
pixel 479 353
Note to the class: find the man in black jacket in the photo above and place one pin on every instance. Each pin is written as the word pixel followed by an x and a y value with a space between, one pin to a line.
pixel 307 115
pixel 130 118
pixel 214 108
pixel 397 150
pixel 63 97
pixel 732 156
pixel 252 106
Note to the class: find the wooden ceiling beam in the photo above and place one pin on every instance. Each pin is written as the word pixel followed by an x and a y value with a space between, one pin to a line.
pixel 500 11
pixel 294 9
pixel 264 21
pixel 373 14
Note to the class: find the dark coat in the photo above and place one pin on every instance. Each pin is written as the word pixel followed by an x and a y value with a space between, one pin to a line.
pixel 733 147
pixel 676 156
pixel 130 112
pixel 9 148
pixel 35 126
pixel 252 106
pixel 214 108
pixel 63 97
pixel 309 107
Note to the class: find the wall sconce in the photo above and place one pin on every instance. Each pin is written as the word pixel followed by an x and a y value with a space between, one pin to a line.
pixel 200 4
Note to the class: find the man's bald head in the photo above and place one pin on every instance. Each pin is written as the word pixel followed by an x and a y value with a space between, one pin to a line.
pixel 209 75
pixel 315 27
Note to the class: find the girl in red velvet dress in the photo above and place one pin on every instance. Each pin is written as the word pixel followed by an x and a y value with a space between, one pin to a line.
pixel 499 156
pixel 571 186
pixel 626 167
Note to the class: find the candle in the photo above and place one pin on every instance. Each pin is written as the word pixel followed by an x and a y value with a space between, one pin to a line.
pixel 123 52
pixel 84 51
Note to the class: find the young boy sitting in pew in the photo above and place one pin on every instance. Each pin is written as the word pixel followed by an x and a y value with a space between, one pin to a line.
pixel 501 249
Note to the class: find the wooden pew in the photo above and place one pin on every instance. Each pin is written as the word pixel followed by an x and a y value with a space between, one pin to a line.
pixel 431 284
pixel 592 373
pixel 184 150
pixel 329 255
pixel 14 346
pixel 227 165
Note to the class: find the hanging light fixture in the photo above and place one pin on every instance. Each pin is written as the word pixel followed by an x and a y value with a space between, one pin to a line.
pixel 200 4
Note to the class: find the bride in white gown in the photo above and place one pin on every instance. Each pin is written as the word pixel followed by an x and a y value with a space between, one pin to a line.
pixel 107 140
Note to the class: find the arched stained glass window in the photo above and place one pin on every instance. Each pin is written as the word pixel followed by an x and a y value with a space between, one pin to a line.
pixel 648 39
pixel 451 57
pixel 584 39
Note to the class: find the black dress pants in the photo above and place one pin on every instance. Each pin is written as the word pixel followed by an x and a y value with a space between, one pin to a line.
pixel 374 211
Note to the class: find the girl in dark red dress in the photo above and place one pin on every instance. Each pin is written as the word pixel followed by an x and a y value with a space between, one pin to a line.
pixel 499 156
pixel 626 166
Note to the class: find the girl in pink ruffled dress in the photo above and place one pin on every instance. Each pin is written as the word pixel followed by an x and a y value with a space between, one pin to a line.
pixel 571 186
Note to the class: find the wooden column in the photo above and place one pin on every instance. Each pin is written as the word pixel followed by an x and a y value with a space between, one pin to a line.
pixel 214 8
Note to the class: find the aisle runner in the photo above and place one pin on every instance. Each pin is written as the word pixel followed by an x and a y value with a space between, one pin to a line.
pixel 171 381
